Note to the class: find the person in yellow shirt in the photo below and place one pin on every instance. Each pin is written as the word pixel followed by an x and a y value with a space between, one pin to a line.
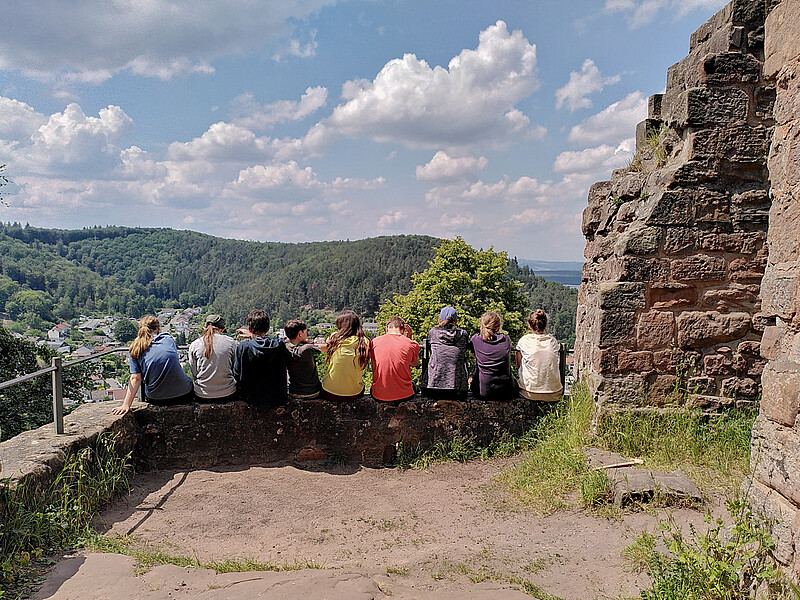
pixel 347 356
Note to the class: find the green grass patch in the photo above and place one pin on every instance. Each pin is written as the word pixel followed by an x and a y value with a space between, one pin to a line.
pixel 533 589
pixel 149 556
pixel 35 523
pixel 713 450
pixel 460 448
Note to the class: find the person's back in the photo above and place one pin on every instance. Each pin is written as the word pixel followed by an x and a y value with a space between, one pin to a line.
pixel 304 381
pixel 392 356
pixel 445 371
pixel 492 379
pixel 538 362
pixel 212 368
pixel 164 378
pixel 346 357
pixel 260 364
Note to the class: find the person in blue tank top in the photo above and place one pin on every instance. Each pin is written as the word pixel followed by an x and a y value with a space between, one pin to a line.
pixel 153 360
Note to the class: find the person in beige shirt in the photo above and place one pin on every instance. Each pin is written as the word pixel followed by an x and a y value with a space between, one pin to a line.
pixel 537 362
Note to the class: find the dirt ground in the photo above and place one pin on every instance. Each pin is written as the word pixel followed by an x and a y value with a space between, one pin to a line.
pixel 449 532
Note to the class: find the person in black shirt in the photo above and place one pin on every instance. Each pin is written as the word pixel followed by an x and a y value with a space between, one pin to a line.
pixel 260 364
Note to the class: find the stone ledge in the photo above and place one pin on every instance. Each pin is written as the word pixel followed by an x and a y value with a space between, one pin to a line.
pixel 207 435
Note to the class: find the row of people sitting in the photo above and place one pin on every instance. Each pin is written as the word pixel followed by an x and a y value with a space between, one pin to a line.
pixel 265 371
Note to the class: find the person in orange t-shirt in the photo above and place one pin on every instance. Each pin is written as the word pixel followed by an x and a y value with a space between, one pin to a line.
pixel 392 357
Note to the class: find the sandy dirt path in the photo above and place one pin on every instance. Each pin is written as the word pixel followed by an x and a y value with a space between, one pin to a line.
pixel 412 534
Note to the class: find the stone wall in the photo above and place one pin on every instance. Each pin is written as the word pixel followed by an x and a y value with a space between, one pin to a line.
pixel 210 435
pixel 675 247
pixel 776 435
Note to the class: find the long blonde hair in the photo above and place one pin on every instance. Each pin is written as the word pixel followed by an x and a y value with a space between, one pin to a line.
pixel 148 328
pixel 208 338
pixel 491 323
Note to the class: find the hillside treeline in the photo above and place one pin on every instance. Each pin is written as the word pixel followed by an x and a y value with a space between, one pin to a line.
pixel 48 275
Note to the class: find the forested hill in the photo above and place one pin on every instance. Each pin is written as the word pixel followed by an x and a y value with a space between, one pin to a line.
pixel 51 274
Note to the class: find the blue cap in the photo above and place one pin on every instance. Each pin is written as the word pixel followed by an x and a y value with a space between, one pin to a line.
pixel 448 312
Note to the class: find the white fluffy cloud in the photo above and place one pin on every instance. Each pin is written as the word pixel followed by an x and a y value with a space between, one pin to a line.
pixel 602 157
pixel 392 220
pixel 616 122
pixel 91 40
pixel 469 102
pixel 248 113
pixel 222 142
pixel 642 12
pixel 443 167
pixel 581 84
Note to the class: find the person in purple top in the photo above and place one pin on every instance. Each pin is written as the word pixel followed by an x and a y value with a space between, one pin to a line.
pixel 492 379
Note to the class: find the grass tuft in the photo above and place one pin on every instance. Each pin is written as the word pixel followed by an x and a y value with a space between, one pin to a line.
pixel 149 556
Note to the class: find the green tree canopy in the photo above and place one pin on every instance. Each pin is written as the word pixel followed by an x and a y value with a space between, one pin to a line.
pixel 472 281
pixel 125 331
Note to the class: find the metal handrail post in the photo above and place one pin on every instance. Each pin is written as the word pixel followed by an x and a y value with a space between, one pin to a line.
pixel 58 395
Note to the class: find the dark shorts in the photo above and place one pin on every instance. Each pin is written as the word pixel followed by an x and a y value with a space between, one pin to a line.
pixel 185 399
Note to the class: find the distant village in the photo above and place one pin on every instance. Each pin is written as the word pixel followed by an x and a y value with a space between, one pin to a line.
pixel 86 336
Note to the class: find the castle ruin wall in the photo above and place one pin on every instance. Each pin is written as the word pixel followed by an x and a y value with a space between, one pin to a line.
pixel 675 243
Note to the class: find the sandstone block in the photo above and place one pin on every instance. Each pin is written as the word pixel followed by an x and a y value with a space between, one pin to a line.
pixel 749 349
pixel 736 143
pixel 776 456
pixel 664 361
pixel 679 240
pixel 755 367
pixel 655 329
pixel 654 106
pixel 643 130
pixel 731 67
pixel 311 454
pixel 706 107
pixel 638 239
pixel 782 37
pixel 670 207
pixel 701 267
pixel 787 103
pixel 617 328
pixel 638 269
pixel 637 362
pixel 785 518
pixel 606 361
pixel 674 295
pixel 701 385
pixel 625 295
pixel 627 390
pixel 717 364
pixel 780 401
pixel 770 342
pixel 661 390
pixel 740 388
pixel 742 269
pixel 784 218
pixel 727 299
pixel 704 328
pixel 779 290
pixel 592 214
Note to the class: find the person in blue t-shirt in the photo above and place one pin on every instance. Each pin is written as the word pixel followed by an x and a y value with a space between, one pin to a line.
pixel 154 361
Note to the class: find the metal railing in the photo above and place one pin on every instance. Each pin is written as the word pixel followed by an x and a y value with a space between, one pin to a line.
pixel 57 367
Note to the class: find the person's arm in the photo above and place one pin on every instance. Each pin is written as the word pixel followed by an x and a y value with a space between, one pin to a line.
pixel 130 394
pixel 193 363
pixel 415 361
pixel 518 358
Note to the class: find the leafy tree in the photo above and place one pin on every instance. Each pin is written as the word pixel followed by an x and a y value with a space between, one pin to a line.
pixel 125 331
pixel 29 405
pixel 473 281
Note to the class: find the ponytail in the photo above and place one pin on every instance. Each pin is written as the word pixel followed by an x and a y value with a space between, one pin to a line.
pixel 208 339
pixel 491 323
pixel 148 328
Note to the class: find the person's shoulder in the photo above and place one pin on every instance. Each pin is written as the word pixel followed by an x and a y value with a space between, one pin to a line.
pixel 197 344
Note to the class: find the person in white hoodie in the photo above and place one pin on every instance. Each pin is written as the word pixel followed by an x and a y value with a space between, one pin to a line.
pixel 537 362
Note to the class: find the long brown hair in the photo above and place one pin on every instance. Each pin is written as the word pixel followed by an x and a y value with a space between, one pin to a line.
pixel 148 328
pixel 208 338
pixel 491 323
pixel 347 325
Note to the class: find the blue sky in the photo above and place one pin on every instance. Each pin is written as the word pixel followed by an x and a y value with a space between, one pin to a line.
pixel 298 120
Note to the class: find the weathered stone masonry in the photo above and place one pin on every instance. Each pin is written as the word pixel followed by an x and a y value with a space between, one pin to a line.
pixel 675 246
pixel 776 435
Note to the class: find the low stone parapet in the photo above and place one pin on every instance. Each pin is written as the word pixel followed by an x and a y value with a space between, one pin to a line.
pixel 196 435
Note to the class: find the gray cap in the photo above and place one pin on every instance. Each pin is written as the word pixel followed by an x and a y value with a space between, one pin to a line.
pixel 216 321
pixel 448 312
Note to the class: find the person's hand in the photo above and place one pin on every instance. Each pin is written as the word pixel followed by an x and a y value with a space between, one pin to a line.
pixel 407 331
pixel 245 333
pixel 120 410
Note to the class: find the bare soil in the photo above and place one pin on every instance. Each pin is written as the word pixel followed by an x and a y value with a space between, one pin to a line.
pixel 449 532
